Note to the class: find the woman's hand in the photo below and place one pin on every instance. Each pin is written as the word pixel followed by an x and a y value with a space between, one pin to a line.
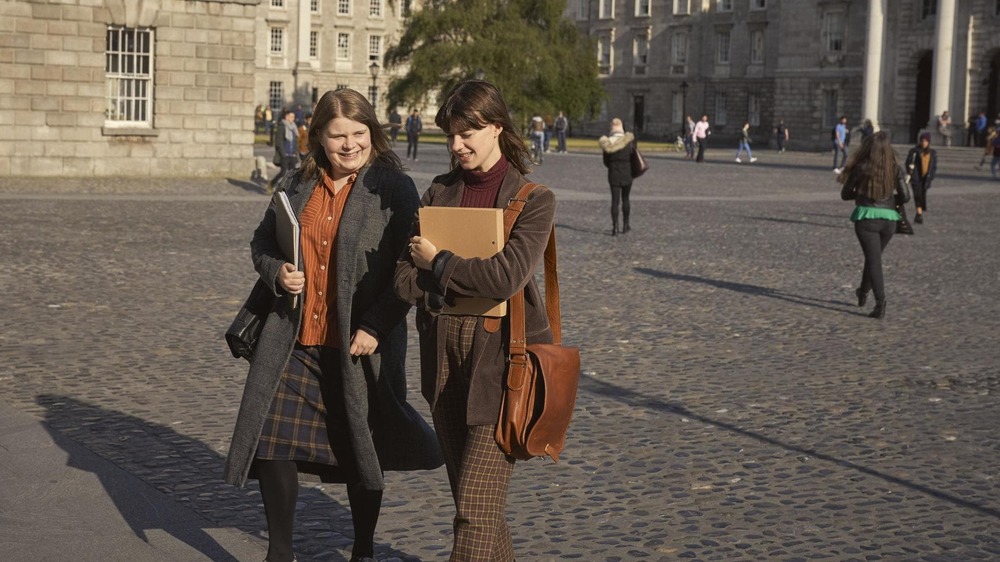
pixel 422 251
pixel 291 280
pixel 363 343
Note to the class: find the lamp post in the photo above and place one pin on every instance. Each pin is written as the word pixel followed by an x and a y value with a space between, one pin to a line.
pixel 373 69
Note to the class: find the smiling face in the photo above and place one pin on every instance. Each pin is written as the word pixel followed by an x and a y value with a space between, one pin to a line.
pixel 347 144
pixel 476 149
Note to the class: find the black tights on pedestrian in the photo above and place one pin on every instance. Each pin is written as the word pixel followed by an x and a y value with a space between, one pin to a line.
pixel 620 193
pixel 874 235
pixel 920 187
pixel 279 488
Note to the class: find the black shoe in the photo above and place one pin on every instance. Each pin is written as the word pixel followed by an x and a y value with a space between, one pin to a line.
pixel 919 219
pixel 862 297
pixel 625 227
pixel 879 311
pixel 614 229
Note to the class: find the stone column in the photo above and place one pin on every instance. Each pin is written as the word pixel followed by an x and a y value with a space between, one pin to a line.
pixel 873 61
pixel 944 48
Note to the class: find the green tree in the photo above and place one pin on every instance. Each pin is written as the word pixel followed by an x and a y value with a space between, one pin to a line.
pixel 538 59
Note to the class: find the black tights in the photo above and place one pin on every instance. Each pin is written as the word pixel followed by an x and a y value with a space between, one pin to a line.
pixel 279 488
pixel 620 192
pixel 874 235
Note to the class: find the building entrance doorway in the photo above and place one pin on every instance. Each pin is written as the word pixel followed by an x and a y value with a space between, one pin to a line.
pixel 922 107
pixel 993 90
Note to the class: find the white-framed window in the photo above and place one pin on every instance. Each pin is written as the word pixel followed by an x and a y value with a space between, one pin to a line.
pixel 277 41
pixel 753 110
pixel 375 48
pixel 640 54
pixel 583 10
pixel 642 8
pixel 928 9
pixel 277 3
pixel 375 8
pixel 679 52
pixel 314 6
pixel 276 95
pixel 606 9
pixel 343 7
pixel 343 46
pixel 830 109
pixel 682 7
pixel 604 54
pixel 758 4
pixel 128 71
pixel 677 108
pixel 720 108
pixel 724 5
pixel 757 46
pixel 313 44
pixel 722 47
pixel 833 31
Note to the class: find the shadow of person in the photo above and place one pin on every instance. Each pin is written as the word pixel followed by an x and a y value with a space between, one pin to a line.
pixel 253 186
pixel 128 455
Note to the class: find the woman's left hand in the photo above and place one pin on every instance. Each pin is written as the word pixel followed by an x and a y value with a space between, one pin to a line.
pixel 422 251
pixel 363 343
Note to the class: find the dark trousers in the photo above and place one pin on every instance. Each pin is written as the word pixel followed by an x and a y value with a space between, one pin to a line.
pixel 839 151
pixel 920 188
pixel 619 193
pixel 780 139
pixel 701 151
pixel 411 144
pixel 288 165
pixel 874 236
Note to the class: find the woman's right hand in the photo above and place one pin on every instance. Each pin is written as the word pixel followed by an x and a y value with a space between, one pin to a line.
pixel 291 280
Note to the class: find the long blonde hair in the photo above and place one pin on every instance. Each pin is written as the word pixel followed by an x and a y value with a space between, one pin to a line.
pixel 872 169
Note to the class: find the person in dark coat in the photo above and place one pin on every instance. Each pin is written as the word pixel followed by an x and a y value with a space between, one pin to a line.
pixel 326 390
pixel 921 165
pixel 876 183
pixel 463 359
pixel 617 147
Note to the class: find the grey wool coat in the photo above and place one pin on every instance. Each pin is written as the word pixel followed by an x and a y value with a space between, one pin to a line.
pixel 386 432
pixel 499 277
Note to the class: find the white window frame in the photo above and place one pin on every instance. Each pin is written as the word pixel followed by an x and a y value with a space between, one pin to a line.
pixel 314 6
pixel 833 39
pixel 643 8
pixel 313 44
pixel 723 47
pixel 343 46
pixel 374 8
pixel 128 73
pixel 605 9
pixel 375 48
pixel 679 52
pixel 724 5
pixel 720 109
pixel 753 110
pixel 605 55
pixel 276 93
pixel 757 46
pixel 682 7
pixel 640 54
pixel 343 7
pixel 276 42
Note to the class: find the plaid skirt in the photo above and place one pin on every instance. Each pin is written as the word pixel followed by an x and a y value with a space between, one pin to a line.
pixel 307 422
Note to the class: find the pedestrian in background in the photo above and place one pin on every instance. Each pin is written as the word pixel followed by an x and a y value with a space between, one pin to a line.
pixel 839 137
pixel 286 148
pixel 781 136
pixel 744 140
pixel 617 147
pixel 560 126
pixel 303 138
pixel 921 165
pixel 944 127
pixel 866 129
pixel 876 183
pixel 994 145
pixel 326 389
pixel 395 124
pixel 463 359
pixel 700 135
pixel 981 125
pixel 258 120
pixel 689 138
pixel 414 126
pixel 268 121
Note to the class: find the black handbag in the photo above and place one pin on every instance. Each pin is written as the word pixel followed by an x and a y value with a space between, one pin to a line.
pixel 245 330
pixel 637 162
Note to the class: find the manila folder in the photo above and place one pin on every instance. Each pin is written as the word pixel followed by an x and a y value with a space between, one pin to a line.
pixel 468 233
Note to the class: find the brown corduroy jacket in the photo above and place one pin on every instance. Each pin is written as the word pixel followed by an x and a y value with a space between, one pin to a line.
pixel 499 277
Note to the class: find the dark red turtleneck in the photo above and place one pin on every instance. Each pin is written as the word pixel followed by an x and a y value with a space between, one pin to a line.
pixel 482 188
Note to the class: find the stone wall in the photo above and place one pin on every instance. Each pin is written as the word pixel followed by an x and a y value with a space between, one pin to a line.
pixel 53 88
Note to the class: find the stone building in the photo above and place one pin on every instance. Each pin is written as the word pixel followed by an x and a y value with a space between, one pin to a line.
pixel 127 87
pixel 899 63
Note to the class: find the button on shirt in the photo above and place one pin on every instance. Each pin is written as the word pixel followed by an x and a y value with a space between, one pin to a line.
pixel 319 222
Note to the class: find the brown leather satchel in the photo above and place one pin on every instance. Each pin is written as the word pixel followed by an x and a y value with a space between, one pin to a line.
pixel 541 382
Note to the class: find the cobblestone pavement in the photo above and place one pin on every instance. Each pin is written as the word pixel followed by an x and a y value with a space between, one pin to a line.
pixel 734 405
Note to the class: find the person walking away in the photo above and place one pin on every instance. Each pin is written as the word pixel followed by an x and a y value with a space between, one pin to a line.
pixel 395 124
pixel 560 126
pixel 839 138
pixel 700 135
pixel 617 147
pixel 689 138
pixel 744 140
pixel 537 137
pixel 921 165
pixel 325 393
pixel 286 141
pixel 781 136
pixel 944 127
pixel 303 137
pixel 875 182
pixel 995 146
pixel 463 359
pixel 991 133
pixel 981 125
pixel 414 126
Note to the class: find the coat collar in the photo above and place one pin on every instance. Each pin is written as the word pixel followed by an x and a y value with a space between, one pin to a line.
pixel 451 195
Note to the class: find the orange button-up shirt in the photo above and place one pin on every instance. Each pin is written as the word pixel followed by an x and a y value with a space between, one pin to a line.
pixel 319 222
